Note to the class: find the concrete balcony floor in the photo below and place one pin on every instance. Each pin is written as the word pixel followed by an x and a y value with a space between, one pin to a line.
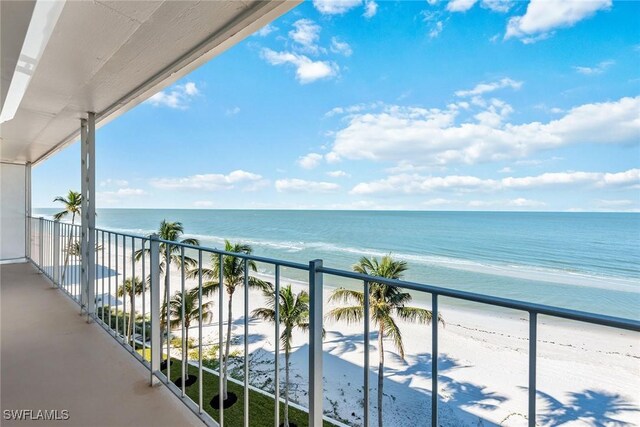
pixel 51 358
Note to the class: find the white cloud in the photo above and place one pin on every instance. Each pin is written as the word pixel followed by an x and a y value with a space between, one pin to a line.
pixel 432 136
pixel 118 196
pixel 544 16
pixel 209 182
pixel 483 88
pixel 266 30
pixel 370 8
pixel 501 6
pixel 506 169
pixel 232 111
pixel 129 192
pixel 177 97
pixel 307 70
pixel 114 182
pixel 617 204
pixel 340 47
pixel 338 174
pixel 460 5
pixel 310 161
pixel 203 204
pixel 302 186
pixel 435 30
pixel 521 202
pixel 335 7
pixel 598 69
pixel 419 184
pixel 306 34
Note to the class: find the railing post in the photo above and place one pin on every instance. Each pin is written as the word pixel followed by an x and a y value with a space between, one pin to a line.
pixel 41 243
pixel 315 344
pixel 56 253
pixel 434 359
pixel 533 341
pixel 156 343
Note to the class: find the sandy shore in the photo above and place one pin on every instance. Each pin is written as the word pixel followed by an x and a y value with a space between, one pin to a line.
pixel 586 375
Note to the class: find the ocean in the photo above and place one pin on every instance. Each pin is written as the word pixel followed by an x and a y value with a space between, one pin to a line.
pixel 582 261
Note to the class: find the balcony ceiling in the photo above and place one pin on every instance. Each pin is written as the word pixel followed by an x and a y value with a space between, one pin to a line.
pixel 109 56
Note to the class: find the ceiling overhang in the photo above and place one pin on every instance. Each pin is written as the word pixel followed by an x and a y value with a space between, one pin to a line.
pixel 109 56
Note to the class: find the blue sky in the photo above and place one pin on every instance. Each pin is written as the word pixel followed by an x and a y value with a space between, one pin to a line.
pixel 425 105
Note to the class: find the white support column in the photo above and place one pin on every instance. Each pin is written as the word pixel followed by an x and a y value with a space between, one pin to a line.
pixel 84 224
pixel 56 253
pixel 27 210
pixel 88 188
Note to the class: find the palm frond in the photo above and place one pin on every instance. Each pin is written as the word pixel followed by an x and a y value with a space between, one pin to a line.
pixel 392 331
pixel 353 314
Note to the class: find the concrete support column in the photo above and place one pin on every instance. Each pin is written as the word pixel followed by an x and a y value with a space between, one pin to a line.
pixel 88 211
pixel 27 211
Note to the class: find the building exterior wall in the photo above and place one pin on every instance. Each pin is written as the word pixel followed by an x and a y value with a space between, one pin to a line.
pixel 13 183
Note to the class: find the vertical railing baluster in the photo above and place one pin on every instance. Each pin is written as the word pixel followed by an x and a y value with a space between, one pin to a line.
pixel 109 281
pixel 200 331
pixel 315 343
pixel 156 342
pixel 115 331
pixel 144 296
pixel 366 353
pixel 220 337
pixel 167 296
pixel 276 297
pixel 434 359
pixel 246 342
pixel 133 292
pixel 124 289
pixel 533 341
pixel 185 344
pixel 104 249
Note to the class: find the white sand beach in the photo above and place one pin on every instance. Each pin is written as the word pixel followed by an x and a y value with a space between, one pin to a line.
pixel 586 375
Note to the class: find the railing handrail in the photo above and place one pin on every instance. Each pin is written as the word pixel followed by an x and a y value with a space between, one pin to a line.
pixel 548 310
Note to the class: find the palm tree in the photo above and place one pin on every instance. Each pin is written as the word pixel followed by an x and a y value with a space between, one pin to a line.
pixel 170 231
pixel 131 288
pixel 72 204
pixel 293 313
pixel 385 302
pixel 233 271
pixel 191 302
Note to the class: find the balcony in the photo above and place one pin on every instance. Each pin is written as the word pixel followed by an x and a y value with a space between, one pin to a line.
pixel 54 360
pixel 255 374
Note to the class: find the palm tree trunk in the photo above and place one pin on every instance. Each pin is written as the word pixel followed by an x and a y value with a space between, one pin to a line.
pixel 66 257
pixel 227 345
pixel 132 314
pixel 380 373
pixel 286 388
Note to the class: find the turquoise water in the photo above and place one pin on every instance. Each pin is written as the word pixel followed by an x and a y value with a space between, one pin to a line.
pixel 584 261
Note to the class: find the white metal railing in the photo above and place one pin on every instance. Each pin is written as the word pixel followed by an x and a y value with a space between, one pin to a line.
pixel 120 257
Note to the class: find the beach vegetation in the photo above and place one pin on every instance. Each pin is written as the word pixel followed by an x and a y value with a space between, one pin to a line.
pixel 130 288
pixel 293 313
pixel 72 205
pixel 386 304
pixel 232 270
